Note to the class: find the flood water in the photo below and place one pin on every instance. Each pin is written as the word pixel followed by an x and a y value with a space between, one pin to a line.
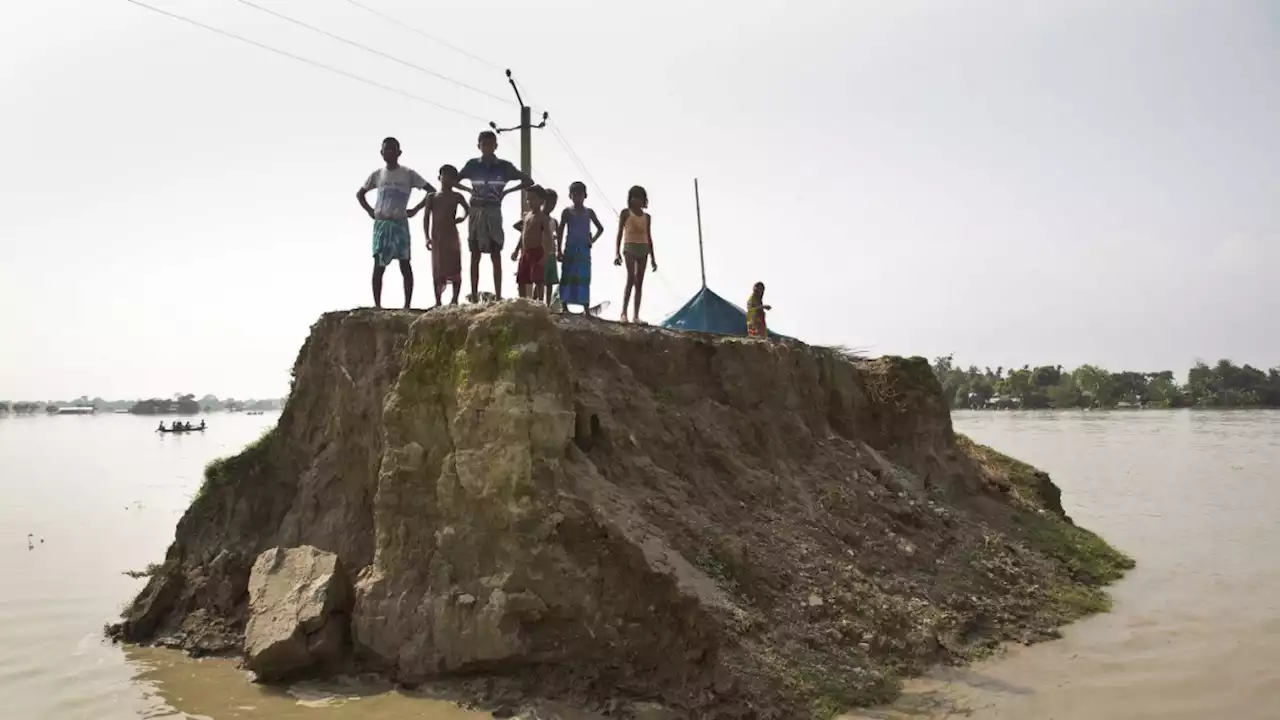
pixel 1193 496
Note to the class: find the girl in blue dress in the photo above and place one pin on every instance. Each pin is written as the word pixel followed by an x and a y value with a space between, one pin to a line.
pixel 575 252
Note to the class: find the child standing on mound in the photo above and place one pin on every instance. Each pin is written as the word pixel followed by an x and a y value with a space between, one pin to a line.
pixel 390 217
pixel 576 222
pixel 440 225
pixel 531 251
pixel 551 274
pixel 756 308
pixel 635 245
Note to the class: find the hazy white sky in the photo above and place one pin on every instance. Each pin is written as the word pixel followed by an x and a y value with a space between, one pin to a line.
pixel 1057 181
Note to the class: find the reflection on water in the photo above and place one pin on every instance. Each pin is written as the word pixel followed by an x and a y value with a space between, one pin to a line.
pixel 1191 495
pixel 216 688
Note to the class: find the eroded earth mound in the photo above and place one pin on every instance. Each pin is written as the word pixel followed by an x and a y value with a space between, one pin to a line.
pixel 583 510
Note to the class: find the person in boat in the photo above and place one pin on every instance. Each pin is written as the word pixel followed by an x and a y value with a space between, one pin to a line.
pixel 161 428
pixel 756 326
pixel 201 424
pixel 391 217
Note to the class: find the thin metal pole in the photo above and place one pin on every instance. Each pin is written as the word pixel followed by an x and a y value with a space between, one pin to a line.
pixel 702 258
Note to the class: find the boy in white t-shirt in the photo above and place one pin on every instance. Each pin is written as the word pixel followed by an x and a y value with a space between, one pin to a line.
pixel 391 217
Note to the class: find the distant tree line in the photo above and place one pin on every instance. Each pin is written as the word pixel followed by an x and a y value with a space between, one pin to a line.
pixel 1224 385
pixel 180 403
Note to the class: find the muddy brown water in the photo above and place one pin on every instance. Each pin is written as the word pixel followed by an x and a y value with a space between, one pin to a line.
pixel 1193 496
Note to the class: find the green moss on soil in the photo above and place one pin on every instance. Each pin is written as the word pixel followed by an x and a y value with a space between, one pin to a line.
pixel 1086 557
pixel 1087 563
pixel 254 458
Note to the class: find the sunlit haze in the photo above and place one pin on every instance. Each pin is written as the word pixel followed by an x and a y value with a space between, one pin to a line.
pixel 1063 181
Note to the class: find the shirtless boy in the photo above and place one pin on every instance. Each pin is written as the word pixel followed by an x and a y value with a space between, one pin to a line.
pixel 534 239
pixel 440 225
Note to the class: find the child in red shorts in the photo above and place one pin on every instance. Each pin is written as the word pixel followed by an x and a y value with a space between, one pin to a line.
pixel 534 239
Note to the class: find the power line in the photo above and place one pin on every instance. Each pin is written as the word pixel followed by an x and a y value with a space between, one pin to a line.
pixel 561 138
pixel 308 61
pixel 424 34
pixel 368 49
pixel 558 134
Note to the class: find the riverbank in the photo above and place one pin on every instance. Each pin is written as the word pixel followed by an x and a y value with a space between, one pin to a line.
pixel 1224 385
pixel 1193 631
pixel 752 529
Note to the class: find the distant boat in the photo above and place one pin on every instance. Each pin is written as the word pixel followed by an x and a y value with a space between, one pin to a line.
pixel 195 428
pixel 77 410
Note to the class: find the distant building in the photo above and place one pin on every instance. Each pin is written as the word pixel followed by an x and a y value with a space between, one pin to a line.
pixel 1003 402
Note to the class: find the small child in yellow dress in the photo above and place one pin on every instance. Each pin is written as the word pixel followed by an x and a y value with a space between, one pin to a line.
pixel 756 308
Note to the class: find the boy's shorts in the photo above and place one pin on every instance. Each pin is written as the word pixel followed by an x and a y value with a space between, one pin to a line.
pixel 390 241
pixel 484 229
pixel 531 270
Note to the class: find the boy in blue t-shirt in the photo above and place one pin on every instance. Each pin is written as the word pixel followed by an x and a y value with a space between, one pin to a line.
pixel 489 176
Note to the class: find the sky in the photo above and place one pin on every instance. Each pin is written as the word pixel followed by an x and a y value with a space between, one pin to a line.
pixel 1064 182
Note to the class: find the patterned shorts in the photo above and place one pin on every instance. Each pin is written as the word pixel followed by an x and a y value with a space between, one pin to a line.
pixel 485 229
pixel 390 241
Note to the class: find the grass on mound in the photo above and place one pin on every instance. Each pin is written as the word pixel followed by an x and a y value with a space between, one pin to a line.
pixel 251 459
pixel 1085 558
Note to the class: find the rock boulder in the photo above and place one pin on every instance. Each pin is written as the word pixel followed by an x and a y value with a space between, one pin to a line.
pixel 299 610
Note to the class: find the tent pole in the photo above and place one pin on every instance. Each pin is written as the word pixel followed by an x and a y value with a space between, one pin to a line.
pixel 702 259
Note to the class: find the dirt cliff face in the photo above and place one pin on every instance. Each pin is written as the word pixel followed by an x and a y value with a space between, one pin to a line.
pixel 587 510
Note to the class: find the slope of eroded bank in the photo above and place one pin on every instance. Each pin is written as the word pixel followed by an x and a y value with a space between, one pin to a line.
pixel 590 511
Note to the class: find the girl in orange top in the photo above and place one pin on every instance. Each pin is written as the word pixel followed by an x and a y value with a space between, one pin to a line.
pixel 635 228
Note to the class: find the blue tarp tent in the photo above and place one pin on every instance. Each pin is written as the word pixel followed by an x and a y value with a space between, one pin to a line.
pixel 708 312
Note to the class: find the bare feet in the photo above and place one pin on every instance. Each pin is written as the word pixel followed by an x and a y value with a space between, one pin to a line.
pixel 624 317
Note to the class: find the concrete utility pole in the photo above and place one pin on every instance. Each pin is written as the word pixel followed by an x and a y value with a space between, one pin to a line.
pixel 526 128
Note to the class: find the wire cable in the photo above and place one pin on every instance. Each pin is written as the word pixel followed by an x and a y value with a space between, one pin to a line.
pixel 558 134
pixel 424 34
pixel 374 51
pixel 560 137
pixel 308 61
